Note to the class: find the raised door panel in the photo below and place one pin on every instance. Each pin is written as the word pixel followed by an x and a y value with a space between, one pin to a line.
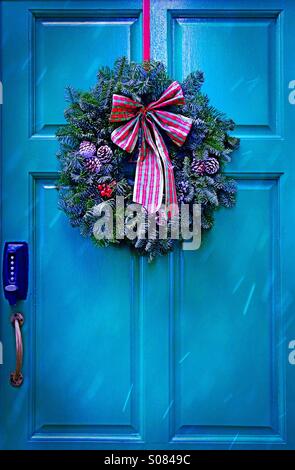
pixel 226 367
pixel 67 49
pixel 84 367
pixel 238 53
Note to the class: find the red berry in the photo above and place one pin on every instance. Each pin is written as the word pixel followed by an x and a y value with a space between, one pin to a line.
pixel 103 193
pixel 99 187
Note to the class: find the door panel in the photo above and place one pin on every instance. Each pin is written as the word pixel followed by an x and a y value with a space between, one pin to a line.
pixel 86 350
pixel 82 328
pixel 226 324
pixel 68 47
pixel 228 361
pixel 191 350
pixel 250 78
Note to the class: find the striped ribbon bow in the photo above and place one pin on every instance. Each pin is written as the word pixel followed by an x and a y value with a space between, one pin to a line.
pixel 154 170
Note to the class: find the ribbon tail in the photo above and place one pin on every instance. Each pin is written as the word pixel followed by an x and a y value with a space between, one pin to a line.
pixel 149 181
pixel 171 203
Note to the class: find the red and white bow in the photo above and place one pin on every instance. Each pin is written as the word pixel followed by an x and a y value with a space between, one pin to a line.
pixel 154 170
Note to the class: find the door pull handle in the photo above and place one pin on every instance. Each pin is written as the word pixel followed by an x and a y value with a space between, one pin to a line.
pixel 16 377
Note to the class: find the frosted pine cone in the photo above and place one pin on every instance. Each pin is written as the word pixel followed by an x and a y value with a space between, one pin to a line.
pixel 211 166
pixel 92 164
pixel 87 149
pixel 104 154
pixel 198 166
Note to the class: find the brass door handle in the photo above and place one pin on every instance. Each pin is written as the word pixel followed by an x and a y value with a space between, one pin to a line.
pixel 16 377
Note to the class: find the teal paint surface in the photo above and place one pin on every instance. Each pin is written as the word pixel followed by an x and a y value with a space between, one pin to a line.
pixel 192 350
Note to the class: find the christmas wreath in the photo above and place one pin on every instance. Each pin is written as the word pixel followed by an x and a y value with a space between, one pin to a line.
pixel 145 138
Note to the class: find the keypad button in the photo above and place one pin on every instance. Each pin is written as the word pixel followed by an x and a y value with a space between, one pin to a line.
pixel 10 288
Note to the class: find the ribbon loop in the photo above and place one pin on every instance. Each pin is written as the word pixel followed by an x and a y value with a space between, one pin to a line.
pixel 154 170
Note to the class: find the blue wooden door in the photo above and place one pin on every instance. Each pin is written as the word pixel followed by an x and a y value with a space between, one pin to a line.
pixel 192 350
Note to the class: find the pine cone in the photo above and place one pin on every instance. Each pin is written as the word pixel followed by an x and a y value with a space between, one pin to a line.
pixel 211 166
pixel 87 149
pixel 198 166
pixel 104 154
pixel 92 164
